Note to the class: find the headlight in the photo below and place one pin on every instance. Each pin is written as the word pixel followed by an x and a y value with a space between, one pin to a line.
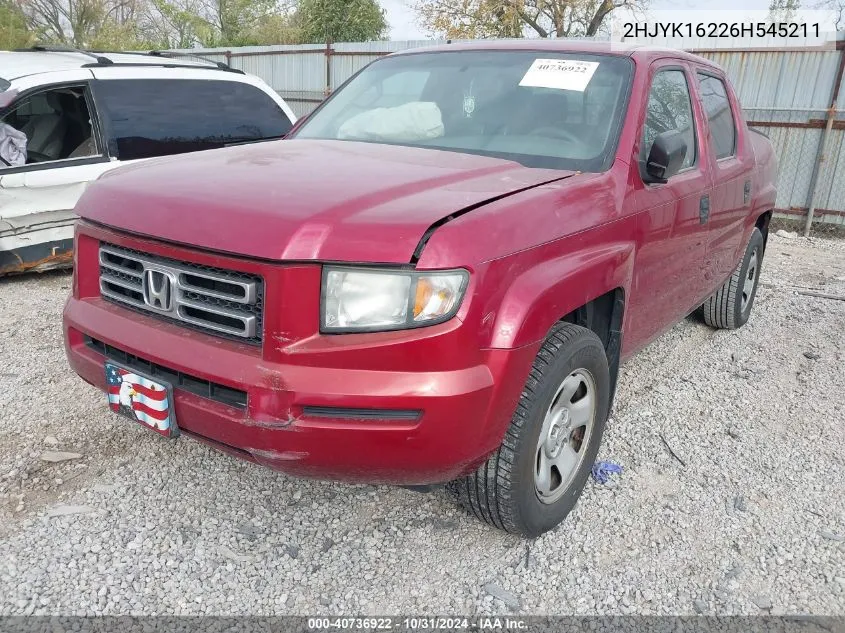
pixel 366 299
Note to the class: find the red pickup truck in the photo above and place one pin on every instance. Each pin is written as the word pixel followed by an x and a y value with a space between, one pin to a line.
pixel 436 277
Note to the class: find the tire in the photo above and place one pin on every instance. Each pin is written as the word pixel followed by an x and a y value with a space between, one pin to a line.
pixel 507 491
pixel 730 307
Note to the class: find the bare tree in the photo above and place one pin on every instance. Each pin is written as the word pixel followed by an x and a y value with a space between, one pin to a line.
pixel 147 24
pixel 76 22
pixel 518 18
pixel 837 9
pixel 783 10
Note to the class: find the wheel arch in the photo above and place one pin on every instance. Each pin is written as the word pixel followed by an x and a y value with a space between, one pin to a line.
pixel 762 223
pixel 604 316
pixel 587 287
pixel 550 289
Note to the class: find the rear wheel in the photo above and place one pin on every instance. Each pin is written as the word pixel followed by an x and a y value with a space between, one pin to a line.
pixel 534 479
pixel 730 307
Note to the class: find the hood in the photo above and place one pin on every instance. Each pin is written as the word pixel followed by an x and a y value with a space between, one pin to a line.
pixel 303 199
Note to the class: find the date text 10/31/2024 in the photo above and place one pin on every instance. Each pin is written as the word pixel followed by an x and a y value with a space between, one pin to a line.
pixel 417 624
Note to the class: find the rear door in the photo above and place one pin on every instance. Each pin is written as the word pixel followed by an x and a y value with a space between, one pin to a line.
pixel 732 163
pixel 668 280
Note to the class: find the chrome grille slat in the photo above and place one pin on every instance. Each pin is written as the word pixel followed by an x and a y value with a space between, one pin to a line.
pixel 116 267
pixel 221 302
pixel 118 298
pixel 207 307
pixel 117 281
pixel 248 288
pixel 249 326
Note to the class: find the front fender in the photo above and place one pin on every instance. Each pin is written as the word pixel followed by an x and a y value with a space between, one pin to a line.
pixel 543 285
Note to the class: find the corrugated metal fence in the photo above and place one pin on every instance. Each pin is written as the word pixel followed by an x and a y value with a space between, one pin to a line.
pixel 793 95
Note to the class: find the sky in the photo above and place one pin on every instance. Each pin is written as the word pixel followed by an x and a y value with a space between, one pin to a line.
pixel 403 20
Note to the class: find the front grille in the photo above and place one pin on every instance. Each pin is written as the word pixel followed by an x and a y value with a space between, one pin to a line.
pixel 218 301
pixel 179 380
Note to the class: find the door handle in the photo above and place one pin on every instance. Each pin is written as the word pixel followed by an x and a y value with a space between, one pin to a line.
pixel 704 209
pixel 746 192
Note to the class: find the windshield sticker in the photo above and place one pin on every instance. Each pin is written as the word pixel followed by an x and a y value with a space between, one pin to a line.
pixel 560 74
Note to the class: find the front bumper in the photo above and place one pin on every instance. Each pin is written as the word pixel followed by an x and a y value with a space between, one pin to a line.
pixel 310 414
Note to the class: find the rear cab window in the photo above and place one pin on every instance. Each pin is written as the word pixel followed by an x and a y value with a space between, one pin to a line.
pixel 720 117
pixel 143 118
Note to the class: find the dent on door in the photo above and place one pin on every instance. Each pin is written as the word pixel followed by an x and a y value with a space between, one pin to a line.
pixel 36 216
pixel 23 197
pixel 31 239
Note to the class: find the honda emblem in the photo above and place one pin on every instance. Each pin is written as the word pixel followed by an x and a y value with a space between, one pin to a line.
pixel 158 290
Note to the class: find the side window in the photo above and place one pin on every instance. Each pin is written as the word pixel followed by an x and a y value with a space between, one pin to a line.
pixel 670 108
pixel 157 117
pixel 717 107
pixel 47 126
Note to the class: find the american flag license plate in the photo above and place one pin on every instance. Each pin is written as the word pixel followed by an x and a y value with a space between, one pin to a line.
pixel 148 402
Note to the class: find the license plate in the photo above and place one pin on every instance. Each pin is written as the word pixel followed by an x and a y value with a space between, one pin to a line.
pixel 146 401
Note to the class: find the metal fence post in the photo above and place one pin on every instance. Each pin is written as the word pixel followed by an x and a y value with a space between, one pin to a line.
pixel 328 67
pixel 821 155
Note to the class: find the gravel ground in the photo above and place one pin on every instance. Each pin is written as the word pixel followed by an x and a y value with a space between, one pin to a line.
pixel 748 517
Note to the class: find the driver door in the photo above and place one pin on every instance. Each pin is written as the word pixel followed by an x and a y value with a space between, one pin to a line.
pixel 669 280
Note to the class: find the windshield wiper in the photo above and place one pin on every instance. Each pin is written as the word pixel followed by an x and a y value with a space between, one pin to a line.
pixel 249 141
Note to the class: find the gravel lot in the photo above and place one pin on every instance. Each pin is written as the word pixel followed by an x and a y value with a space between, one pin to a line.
pixel 752 521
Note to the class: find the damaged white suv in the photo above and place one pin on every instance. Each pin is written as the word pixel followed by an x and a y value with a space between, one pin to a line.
pixel 67 116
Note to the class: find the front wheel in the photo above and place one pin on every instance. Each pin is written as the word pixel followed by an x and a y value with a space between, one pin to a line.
pixel 730 307
pixel 534 479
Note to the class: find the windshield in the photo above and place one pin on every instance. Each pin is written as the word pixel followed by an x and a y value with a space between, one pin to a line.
pixel 551 110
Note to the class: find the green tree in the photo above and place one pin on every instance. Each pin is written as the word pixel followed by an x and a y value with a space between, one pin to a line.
pixel 341 20
pixel 209 23
pixel 236 20
pixel 112 35
pixel 175 24
pixel 277 29
pixel 13 29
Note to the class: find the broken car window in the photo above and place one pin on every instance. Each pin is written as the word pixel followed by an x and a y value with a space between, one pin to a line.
pixel 48 126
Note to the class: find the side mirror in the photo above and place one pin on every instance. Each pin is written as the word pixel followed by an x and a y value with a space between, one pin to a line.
pixel 665 157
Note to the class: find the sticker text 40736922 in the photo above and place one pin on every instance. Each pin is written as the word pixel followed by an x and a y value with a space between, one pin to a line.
pixel 559 74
